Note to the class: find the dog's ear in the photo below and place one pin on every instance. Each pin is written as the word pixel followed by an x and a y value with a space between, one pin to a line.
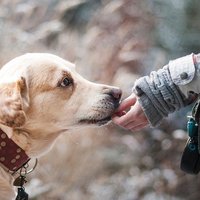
pixel 13 102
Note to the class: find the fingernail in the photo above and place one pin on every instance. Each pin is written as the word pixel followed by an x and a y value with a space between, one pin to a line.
pixel 121 113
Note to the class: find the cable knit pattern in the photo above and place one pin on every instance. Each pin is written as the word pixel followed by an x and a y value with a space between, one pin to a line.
pixel 158 95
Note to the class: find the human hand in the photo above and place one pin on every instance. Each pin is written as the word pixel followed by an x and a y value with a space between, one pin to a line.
pixel 134 119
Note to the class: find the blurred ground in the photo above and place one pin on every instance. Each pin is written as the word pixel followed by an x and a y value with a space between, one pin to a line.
pixel 112 42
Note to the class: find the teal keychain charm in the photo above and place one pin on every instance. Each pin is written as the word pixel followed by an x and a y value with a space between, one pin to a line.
pixel 192 130
pixel 192 127
pixel 190 161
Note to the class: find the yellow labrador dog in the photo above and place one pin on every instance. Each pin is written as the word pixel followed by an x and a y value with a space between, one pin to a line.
pixel 41 97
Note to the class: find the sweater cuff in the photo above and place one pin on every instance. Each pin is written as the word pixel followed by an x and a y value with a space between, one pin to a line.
pixel 158 95
pixel 153 116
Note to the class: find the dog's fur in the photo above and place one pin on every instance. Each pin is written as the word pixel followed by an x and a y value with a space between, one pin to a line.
pixel 36 106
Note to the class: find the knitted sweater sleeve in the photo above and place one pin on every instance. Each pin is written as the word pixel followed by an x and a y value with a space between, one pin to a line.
pixel 166 90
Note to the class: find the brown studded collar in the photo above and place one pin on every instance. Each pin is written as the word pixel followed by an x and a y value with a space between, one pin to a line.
pixel 12 157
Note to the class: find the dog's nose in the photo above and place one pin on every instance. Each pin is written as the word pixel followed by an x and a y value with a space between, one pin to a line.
pixel 116 93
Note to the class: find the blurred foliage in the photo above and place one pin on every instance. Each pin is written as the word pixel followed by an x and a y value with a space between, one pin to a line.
pixel 112 42
pixel 178 27
pixel 79 13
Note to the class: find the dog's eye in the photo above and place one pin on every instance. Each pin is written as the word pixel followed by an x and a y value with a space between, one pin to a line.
pixel 66 82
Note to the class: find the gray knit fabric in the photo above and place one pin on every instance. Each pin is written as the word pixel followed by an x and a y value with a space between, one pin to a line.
pixel 158 95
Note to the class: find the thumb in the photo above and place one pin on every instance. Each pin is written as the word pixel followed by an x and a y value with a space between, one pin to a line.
pixel 127 103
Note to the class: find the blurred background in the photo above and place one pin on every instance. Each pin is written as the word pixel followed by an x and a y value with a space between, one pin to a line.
pixel 112 42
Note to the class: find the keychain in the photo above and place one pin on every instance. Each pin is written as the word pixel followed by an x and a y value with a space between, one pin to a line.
pixel 21 180
pixel 190 161
pixel 19 183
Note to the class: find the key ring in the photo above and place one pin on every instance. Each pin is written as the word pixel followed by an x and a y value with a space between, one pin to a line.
pixel 23 170
pixel 26 167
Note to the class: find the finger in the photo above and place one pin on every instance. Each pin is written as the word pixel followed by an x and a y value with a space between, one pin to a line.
pixel 135 116
pixel 125 119
pixel 119 114
pixel 117 120
pixel 127 103
pixel 139 127
pixel 133 124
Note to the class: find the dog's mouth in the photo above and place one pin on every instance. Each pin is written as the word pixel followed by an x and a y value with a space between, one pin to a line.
pixel 102 116
pixel 98 122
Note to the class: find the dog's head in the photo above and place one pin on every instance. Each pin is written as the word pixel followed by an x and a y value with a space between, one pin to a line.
pixel 40 91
